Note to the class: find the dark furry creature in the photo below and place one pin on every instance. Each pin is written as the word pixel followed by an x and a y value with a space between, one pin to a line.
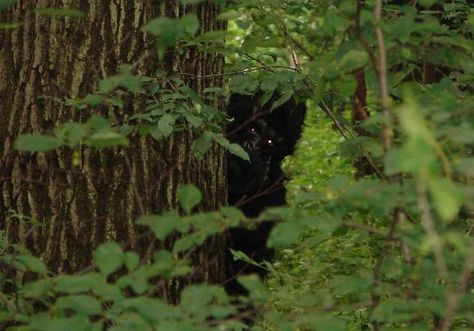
pixel 268 136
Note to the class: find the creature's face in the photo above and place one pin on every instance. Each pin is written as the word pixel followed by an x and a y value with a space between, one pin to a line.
pixel 258 138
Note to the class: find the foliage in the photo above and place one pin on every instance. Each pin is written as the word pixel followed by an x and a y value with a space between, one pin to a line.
pixel 392 249
pixel 120 291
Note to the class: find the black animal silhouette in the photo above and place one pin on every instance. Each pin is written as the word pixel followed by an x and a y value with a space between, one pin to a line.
pixel 268 135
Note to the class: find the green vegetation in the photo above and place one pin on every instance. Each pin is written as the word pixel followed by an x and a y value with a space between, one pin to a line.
pixel 378 231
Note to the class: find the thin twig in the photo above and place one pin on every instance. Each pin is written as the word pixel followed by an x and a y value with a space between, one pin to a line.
pixel 454 297
pixel 273 187
pixel 248 121
pixel 294 57
pixel 7 302
pixel 377 271
pixel 233 73
pixel 365 43
pixel 253 58
pixel 382 76
pixel 301 47
pixel 428 224
pixel 364 228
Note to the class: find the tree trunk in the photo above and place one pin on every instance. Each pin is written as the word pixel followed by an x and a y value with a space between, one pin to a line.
pixel 79 207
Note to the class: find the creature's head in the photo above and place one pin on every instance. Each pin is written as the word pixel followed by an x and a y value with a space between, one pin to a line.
pixel 264 132
pixel 258 138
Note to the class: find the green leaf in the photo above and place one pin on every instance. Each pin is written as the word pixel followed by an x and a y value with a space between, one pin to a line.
pixel 125 79
pixel 269 85
pixel 195 299
pixel 233 215
pixel 211 36
pixel 251 43
pixel 46 322
pixel 4 4
pixel 332 323
pixel 244 84
pixel 189 197
pixel 427 3
pixel 412 119
pixel 139 282
pixel 94 100
pixel 416 156
pixel 72 133
pixel 283 98
pixel 107 292
pixel 466 166
pixel 447 197
pixel 254 285
pixel 190 24
pixel 105 139
pixel 82 304
pixel 165 124
pixel 109 257
pixel 234 149
pixel 168 31
pixel 8 26
pixel 353 59
pixel 131 260
pixel 98 123
pixel 77 283
pixel 128 321
pixel 394 310
pixel 108 84
pixel 343 285
pixel 195 121
pixel 192 94
pixel 188 241
pixel 32 263
pixel 228 15
pixel 202 144
pixel 66 12
pixel 285 234
pixel 36 143
pixel 241 256
pixel 37 289
pixel 164 225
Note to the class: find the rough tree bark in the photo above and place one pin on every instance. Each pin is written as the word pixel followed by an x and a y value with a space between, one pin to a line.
pixel 80 207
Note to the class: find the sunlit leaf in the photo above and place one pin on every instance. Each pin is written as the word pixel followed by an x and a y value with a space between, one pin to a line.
pixel 105 139
pixel 447 197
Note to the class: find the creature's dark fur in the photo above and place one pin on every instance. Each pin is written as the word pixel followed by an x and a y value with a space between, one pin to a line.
pixel 268 136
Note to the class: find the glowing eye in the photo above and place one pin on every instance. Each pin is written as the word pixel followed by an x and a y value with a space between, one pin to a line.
pixel 252 130
pixel 270 142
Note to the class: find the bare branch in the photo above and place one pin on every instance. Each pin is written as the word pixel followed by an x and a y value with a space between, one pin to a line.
pixel 454 297
pixel 382 76
pixel 428 224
